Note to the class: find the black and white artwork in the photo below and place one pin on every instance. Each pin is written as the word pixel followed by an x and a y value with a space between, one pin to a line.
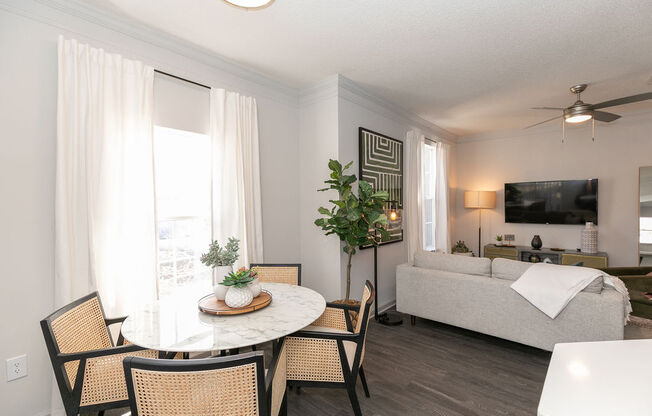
pixel 381 164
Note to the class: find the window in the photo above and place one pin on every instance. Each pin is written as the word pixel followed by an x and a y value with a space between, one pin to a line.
pixel 429 181
pixel 183 207
pixel 645 230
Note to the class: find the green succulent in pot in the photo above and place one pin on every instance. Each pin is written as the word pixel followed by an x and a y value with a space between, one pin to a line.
pixel 240 278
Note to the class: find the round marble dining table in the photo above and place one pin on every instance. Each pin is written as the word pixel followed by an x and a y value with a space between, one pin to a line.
pixel 175 324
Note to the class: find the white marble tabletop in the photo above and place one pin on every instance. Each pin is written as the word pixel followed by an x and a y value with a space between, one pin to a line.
pixel 176 325
pixel 598 379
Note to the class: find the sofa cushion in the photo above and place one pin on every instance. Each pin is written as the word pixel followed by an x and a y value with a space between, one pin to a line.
pixel 512 269
pixel 453 263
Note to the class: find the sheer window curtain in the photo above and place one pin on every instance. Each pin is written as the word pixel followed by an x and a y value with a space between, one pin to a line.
pixel 236 192
pixel 442 225
pixel 414 186
pixel 413 213
pixel 105 229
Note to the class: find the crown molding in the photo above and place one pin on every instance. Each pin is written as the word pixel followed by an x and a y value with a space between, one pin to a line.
pixel 353 92
pixel 53 12
pixel 630 117
pixel 322 90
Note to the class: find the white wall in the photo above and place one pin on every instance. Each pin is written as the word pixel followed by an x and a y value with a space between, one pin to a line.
pixel 620 148
pixel 347 106
pixel 318 142
pixel 28 45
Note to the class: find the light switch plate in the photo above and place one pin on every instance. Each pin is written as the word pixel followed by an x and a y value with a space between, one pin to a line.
pixel 16 367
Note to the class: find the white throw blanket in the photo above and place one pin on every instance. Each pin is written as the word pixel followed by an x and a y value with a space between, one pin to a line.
pixel 550 287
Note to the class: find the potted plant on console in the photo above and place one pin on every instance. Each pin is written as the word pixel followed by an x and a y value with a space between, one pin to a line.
pixel 461 249
pixel 355 219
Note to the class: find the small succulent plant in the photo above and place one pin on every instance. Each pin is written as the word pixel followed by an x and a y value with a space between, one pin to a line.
pixel 499 238
pixel 240 278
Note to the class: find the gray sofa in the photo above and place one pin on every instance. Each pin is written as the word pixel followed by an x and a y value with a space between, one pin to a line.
pixel 474 293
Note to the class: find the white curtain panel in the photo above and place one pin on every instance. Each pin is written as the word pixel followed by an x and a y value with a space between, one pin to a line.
pixel 105 213
pixel 236 196
pixel 413 213
pixel 442 226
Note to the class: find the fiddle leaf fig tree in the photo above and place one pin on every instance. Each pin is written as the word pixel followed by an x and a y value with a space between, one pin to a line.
pixel 356 219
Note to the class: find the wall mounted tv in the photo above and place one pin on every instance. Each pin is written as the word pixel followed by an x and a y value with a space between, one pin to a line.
pixel 552 202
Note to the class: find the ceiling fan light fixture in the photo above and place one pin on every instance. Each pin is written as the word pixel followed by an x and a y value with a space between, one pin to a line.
pixel 249 4
pixel 577 118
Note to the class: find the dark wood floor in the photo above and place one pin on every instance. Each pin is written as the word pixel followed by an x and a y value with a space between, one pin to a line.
pixel 436 369
pixel 433 369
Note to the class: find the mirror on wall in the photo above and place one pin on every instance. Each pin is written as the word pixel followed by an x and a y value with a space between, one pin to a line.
pixel 645 216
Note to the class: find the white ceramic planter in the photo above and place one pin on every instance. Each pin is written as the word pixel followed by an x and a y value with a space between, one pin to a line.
pixel 238 297
pixel 219 290
pixel 218 276
pixel 255 287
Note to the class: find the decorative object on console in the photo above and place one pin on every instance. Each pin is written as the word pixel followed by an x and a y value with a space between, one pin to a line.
pixel 461 248
pixel 499 240
pixel 590 238
pixel 534 258
pixel 480 200
pixel 536 242
pixel 381 164
pixel 509 238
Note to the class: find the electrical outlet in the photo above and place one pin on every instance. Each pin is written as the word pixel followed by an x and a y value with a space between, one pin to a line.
pixel 16 367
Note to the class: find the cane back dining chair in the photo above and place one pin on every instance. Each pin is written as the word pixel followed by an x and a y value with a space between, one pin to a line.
pixel 232 385
pixel 279 273
pixel 87 365
pixel 329 353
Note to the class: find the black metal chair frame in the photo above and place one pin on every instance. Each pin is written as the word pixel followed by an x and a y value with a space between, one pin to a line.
pixel 71 395
pixel 350 372
pixel 204 364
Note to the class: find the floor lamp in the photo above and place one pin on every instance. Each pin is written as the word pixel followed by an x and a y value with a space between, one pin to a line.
pixel 385 318
pixel 480 200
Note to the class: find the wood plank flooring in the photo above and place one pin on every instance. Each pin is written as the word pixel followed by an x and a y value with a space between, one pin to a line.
pixel 439 370
pixel 433 369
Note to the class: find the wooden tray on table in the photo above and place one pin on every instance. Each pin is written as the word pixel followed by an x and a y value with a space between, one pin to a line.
pixel 209 304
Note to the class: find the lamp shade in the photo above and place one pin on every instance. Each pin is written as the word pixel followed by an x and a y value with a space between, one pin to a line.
pixel 480 199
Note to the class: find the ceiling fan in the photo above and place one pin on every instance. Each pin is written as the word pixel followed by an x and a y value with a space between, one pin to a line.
pixel 580 111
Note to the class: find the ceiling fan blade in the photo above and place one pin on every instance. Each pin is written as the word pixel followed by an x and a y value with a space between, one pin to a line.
pixel 545 121
pixel 546 108
pixel 624 100
pixel 604 116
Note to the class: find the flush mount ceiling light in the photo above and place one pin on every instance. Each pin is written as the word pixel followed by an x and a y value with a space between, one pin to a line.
pixel 249 4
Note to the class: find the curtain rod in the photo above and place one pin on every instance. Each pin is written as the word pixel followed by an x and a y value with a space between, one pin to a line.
pixel 182 79
pixel 430 140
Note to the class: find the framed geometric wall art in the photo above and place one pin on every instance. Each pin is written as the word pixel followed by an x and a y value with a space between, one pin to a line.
pixel 381 164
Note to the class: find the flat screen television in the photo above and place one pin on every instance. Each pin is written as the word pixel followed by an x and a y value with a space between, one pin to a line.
pixel 552 202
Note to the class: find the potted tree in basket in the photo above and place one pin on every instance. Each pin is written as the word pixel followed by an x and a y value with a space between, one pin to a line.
pixel 355 219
